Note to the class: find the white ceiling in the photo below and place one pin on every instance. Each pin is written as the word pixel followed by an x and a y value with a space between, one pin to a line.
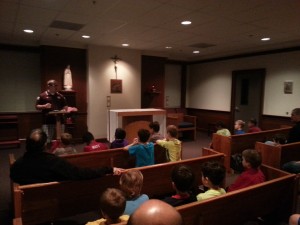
pixel 233 26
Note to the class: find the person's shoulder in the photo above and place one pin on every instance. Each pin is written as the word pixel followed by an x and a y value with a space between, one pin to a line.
pixel 97 222
pixel 144 197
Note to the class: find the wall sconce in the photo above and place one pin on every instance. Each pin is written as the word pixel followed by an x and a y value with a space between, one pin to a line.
pixel 115 84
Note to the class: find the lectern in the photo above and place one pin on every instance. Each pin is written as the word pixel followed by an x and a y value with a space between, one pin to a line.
pixel 58 114
pixel 131 120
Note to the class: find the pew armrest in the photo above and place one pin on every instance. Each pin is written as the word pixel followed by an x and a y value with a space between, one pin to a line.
pixel 17 221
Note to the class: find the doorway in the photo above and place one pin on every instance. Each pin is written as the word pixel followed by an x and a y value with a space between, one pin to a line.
pixel 247 95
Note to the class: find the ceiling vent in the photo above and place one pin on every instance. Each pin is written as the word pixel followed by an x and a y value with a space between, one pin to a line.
pixel 202 45
pixel 66 25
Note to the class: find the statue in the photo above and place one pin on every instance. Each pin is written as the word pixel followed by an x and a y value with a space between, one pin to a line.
pixel 68 79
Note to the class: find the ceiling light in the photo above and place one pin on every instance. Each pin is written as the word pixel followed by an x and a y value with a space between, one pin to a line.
pixel 186 22
pixel 266 39
pixel 86 36
pixel 168 47
pixel 196 52
pixel 125 45
pixel 28 31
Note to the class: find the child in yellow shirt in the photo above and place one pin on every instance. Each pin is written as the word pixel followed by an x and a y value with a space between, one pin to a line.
pixel 112 204
pixel 171 143
pixel 213 174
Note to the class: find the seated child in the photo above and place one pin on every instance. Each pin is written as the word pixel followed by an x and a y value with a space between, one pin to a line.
pixel 221 130
pixel 239 126
pixel 91 144
pixel 252 126
pixel 142 149
pixel 154 129
pixel 252 174
pixel 182 181
pixel 213 174
pixel 64 146
pixel 120 141
pixel 131 183
pixel 112 205
pixel 278 139
pixel 171 143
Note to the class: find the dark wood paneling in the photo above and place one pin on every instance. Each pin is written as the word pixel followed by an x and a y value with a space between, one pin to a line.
pixel 153 73
pixel 273 122
pixel 54 60
pixel 207 117
pixel 32 120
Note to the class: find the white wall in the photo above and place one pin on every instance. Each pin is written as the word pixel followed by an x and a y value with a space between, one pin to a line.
pixel 100 71
pixel 172 86
pixel 209 84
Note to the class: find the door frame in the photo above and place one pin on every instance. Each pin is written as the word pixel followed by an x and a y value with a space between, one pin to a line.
pixel 235 73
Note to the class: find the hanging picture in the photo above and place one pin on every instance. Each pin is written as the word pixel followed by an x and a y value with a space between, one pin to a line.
pixel 115 86
pixel 288 87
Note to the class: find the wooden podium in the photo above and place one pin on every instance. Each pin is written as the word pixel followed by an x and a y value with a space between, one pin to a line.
pixel 58 115
pixel 131 120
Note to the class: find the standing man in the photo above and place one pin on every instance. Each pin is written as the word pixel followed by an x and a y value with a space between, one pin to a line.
pixel 48 101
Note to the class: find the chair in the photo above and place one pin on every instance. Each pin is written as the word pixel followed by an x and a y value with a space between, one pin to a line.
pixel 184 123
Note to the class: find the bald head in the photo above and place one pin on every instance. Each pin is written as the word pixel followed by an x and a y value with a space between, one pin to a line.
pixel 295 115
pixel 155 212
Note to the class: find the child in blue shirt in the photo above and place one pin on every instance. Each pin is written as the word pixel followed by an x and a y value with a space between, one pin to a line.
pixel 142 149
pixel 239 126
pixel 131 183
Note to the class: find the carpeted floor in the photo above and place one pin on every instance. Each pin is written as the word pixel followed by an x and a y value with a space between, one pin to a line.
pixel 190 149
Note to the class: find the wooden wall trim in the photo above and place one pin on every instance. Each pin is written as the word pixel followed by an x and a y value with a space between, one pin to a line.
pixel 206 118
pixel 31 120
pixel 272 122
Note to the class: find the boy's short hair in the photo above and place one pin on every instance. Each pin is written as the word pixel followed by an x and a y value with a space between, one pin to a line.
pixel 214 171
pixel 252 157
pixel 280 138
pixel 253 121
pixel 66 138
pixel 131 183
pixel 220 124
pixel 241 123
pixel 172 130
pixel 120 133
pixel 155 126
pixel 183 178
pixel 144 135
pixel 112 203
pixel 88 137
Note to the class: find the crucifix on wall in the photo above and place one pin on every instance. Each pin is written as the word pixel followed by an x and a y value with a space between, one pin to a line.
pixel 115 84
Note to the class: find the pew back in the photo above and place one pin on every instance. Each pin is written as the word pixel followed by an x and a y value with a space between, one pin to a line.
pixel 276 156
pixel 112 157
pixel 275 197
pixel 38 203
pixel 237 143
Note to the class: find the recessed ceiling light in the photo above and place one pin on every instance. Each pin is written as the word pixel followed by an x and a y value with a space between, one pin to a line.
pixel 28 31
pixel 86 36
pixel 196 52
pixel 266 39
pixel 186 22
pixel 168 47
pixel 125 45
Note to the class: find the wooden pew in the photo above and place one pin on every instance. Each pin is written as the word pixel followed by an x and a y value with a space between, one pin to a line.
pixel 276 198
pixel 112 157
pixel 276 156
pixel 38 203
pixel 237 143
